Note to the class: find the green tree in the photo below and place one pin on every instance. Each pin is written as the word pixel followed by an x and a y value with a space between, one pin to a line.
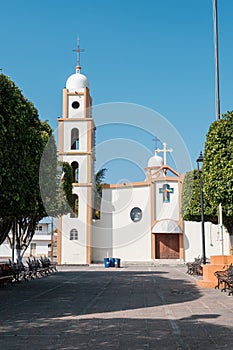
pixel 63 201
pixel 21 146
pixel 191 197
pixel 218 168
pixel 24 141
pixel 99 178
pixel 191 205
pixel 20 143
pixel 217 177
pixel 5 227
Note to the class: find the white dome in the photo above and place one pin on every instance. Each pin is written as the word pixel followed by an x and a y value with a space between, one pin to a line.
pixel 155 161
pixel 77 82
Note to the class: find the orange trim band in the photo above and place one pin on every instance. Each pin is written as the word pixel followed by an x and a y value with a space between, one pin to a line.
pixel 126 185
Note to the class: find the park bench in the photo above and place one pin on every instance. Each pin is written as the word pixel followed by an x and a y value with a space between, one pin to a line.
pixel 225 279
pixel 33 267
pixel 40 267
pixel 230 285
pixel 19 270
pixel 195 267
pixel 47 265
pixel 13 272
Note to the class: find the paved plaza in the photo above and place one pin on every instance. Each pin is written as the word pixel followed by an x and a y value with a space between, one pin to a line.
pixel 147 307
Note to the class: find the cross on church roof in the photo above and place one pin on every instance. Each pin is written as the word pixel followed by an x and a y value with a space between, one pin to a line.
pixel 164 150
pixel 78 50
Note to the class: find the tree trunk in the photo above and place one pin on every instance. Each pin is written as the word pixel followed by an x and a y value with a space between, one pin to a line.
pixel 14 232
pixel 6 225
pixel 19 255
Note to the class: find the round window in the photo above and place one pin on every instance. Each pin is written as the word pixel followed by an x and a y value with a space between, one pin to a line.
pixel 136 214
pixel 75 104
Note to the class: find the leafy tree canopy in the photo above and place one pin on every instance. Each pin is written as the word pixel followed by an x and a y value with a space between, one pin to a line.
pixel 20 150
pixel 25 144
pixel 218 168
pixel 217 177
pixel 191 205
pixel 99 178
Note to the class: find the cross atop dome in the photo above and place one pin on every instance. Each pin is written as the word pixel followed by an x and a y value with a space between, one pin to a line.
pixel 77 81
pixel 164 150
pixel 78 50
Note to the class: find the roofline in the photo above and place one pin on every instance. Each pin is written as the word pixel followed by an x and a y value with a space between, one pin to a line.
pixel 126 185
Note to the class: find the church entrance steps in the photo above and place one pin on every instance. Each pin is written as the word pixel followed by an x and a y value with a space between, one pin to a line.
pixel 154 262
pixel 168 262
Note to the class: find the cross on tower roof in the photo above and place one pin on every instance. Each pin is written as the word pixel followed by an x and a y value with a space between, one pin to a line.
pixel 164 150
pixel 156 139
pixel 78 50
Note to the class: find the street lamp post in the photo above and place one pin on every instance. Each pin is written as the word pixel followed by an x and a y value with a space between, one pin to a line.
pixel 199 167
pixel 52 241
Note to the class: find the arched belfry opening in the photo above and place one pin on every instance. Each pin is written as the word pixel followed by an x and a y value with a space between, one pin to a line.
pixel 75 206
pixel 75 139
pixel 75 172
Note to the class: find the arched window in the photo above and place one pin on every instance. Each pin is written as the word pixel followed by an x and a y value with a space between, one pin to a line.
pixel 75 138
pixel 75 204
pixel 75 171
pixel 73 234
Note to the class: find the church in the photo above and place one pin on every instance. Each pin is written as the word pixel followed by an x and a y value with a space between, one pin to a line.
pixel 140 221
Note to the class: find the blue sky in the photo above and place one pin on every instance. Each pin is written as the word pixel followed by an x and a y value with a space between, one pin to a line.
pixel 155 53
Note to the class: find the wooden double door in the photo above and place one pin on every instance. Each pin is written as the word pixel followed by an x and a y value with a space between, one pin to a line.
pixel 167 246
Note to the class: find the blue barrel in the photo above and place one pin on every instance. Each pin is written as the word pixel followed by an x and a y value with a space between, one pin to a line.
pixel 106 262
pixel 117 262
pixel 112 262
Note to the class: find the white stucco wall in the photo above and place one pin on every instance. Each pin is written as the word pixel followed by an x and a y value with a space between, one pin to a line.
pixel 79 112
pixel 41 248
pixel 74 251
pixel 116 234
pixel 102 236
pixel 5 251
pixel 213 243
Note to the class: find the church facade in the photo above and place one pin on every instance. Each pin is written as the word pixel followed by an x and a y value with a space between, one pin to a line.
pixel 139 222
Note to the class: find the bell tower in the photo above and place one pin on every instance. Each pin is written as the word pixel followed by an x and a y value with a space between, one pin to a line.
pixel 76 138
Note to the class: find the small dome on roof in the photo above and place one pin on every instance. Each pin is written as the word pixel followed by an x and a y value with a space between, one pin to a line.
pixel 155 161
pixel 77 82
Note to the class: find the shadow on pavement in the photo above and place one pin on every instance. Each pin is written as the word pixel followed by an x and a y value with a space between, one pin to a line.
pixel 118 333
pixel 106 310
